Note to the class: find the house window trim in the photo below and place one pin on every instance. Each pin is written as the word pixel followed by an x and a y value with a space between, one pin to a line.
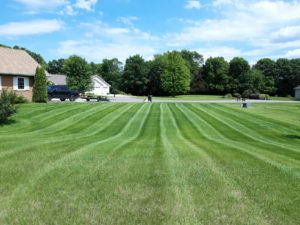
pixel 0 83
pixel 17 84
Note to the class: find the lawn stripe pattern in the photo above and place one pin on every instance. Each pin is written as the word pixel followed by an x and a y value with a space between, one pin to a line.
pixel 143 163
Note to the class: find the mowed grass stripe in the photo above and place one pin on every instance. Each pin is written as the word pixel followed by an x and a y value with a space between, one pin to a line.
pixel 58 165
pixel 226 192
pixel 266 154
pixel 242 161
pixel 40 155
pixel 38 140
pixel 261 133
pixel 159 163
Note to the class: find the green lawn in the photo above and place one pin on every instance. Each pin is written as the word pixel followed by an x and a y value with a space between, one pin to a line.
pixel 188 97
pixel 207 97
pixel 160 163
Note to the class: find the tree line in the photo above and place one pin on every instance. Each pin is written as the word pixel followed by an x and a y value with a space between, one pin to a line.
pixel 183 72
pixel 180 72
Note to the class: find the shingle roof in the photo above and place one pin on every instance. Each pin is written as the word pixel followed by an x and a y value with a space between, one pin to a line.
pixel 57 79
pixel 96 76
pixel 17 62
pixel 297 88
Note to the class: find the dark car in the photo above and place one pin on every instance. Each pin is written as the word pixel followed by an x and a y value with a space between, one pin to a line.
pixel 62 92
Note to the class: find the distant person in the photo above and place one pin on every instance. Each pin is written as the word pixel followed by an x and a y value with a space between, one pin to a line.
pixel 239 97
pixel 150 98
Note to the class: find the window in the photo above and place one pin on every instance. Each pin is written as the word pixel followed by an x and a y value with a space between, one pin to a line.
pixel 0 83
pixel 21 83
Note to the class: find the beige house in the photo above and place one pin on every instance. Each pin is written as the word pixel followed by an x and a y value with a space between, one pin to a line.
pixel 17 70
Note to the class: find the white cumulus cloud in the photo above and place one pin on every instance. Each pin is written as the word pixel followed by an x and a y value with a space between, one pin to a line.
pixel 86 4
pixel 30 27
pixel 192 5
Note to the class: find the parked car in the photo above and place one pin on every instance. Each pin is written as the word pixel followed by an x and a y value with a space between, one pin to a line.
pixel 62 92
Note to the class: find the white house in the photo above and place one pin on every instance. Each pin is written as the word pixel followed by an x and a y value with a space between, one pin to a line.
pixel 100 86
pixel 297 92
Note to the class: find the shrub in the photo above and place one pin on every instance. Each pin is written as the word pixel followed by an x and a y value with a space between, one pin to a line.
pixel 236 95
pixel 7 105
pixel 227 96
pixel 20 100
pixel 254 96
pixel 264 97
pixel 40 86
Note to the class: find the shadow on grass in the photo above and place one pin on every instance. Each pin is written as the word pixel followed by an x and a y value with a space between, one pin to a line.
pixel 293 136
pixel 7 122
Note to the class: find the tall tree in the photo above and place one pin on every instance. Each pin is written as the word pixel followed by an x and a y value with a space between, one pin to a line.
pixel 194 63
pixel 176 75
pixel 215 74
pixel 56 66
pixel 268 68
pixel 111 70
pixel 156 68
pixel 284 77
pixel 78 74
pixel 40 86
pixel 238 67
pixel 134 78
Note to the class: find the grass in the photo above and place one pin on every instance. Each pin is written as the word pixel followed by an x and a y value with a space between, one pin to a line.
pixel 207 97
pixel 160 163
pixel 187 97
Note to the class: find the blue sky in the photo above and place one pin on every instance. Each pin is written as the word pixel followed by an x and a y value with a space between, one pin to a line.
pixel 97 29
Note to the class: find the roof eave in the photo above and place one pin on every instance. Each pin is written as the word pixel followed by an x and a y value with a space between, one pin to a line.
pixel 18 74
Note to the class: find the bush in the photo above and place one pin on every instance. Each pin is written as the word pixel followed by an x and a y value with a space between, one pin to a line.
pixel 7 105
pixel 254 96
pixel 20 100
pixel 227 96
pixel 264 97
pixel 236 95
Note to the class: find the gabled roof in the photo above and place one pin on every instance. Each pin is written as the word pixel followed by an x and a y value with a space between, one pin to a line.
pixel 297 88
pixel 16 62
pixel 97 77
pixel 57 79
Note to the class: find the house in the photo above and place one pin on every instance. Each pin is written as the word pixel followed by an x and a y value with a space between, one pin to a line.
pixel 100 86
pixel 17 71
pixel 297 92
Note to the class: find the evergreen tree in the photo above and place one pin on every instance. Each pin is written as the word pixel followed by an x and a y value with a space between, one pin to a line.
pixel 40 86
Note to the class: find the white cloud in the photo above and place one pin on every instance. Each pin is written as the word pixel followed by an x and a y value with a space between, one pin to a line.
pixel 127 20
pixel 30 27
pixel 221 51
pixel 286 34
pixel 86 4
pixel 222 2
pixel 293 53
pixel 192 5
pixel 96 49
pixel 269 25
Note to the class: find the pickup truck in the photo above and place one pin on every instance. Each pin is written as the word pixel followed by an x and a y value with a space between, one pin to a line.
pixel 62 92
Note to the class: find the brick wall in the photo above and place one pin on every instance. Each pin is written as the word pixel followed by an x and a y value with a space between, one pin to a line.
pixel 7 83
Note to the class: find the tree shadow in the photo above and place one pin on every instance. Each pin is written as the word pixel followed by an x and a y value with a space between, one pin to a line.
pixel 7 122
pixel 292 136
